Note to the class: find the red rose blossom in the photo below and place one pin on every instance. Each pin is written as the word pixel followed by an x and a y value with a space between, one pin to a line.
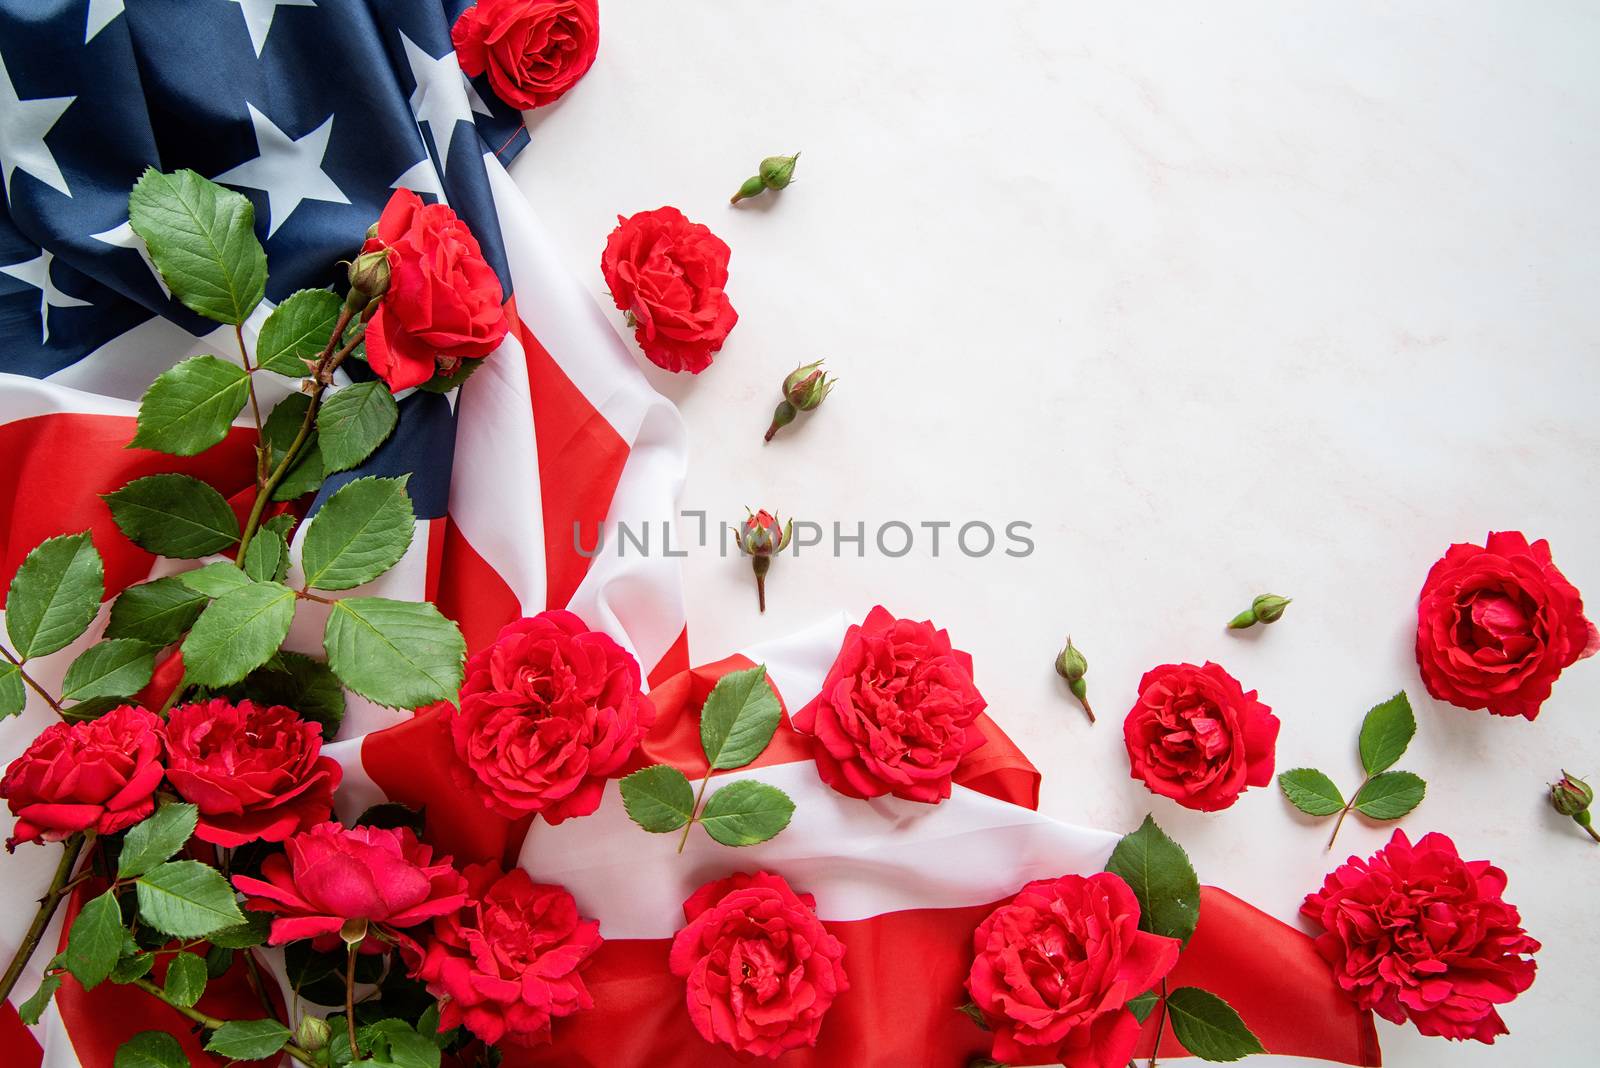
pixel 256 772
pixel 507 963
pixel 443 304
pixel 669 274
pixel 331 874
pixel 98 775
pixel 761 969
pixel 548 712
pixel 896 712
pixel 1056 966
pixel 533 50
pixel 1196 736
pixel 1416 933
pixel 1497 625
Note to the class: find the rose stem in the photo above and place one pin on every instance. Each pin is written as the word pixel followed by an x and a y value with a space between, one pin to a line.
pixel 350 996
pixel 694 813
pixel 41 919
pixel 1345 812
pixel 32 685
pixel 1161 1025
pixel 211 1023
pixel 1592 832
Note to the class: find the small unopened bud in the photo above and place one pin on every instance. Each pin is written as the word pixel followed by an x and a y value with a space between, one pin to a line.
pixel 761 538
pixel 369 279
pixel 803 390
pixel 1073 666
pixel 1572 797
pixel 775 172
pixel 372 232
pixel 1267 608
pixel 312 1034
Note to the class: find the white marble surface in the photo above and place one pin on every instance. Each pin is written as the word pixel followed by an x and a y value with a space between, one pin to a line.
pixel 1221 298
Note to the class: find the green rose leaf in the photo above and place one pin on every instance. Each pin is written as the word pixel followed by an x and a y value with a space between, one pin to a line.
pixel 1158 871
pixel 156 838
pixel 266 559
pixel 187 899
pixel 441 383
pixel 237 633
pixel 215 579
pixel 248 1040
pixel 32 1009
pixel 353 422
pixel 189 408
pixel 1208 1027
pixel 297 330
pixel 658 798
pixel 94 942
pixel 1311 792
pixel 971 1011
pixel 13 698
pixel 746 812
pixel 359 533
pixel 115 668
pixel 150 1049
pixel 186 979
pixel 1386 732
pixel 252 932
pixel 394 1044
pixel 202 239
pixel 282 427
pixel 133 965
pixel 174 515
pixel 1143 1005
pixel 156 612
pixel 739 717
pixel 218 960
pixel 54 595
pixel 282 525
pixel 402 654
pixel 1390 795
pixel 300 682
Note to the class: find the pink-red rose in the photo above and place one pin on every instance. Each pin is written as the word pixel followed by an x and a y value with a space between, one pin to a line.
pixel 1496 626
pixel 1056 966
pixel 533 50
pixel 98 776
pixel 1196 736
pixel 256 772
pixel 507 964
pixel 761 969
pixel 443 304
pixel 669 273
pixel 331 874
pixel 896 712
pixel 1416 933
pixel 548 712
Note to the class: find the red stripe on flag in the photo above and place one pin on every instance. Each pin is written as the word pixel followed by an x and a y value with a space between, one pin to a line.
pixel 469 591
pixel 673 661
pixel 581 457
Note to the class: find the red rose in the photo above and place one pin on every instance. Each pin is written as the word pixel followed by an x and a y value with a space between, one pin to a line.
pixel 96 776
pixel 1056 967
pixel 1497 625
pixel 761 968
pixel 444 302
pixel 331 874
pixel 1416 933
pixel 1195 736
pixel 534 50
pixel 256 772
pixel 668 273
pixel 507 964
pixel 896 712
pixel 548 713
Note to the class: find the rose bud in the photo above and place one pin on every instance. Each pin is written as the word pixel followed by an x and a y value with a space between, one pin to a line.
pixel 762 537
pixel 369 279
pixel 803 390
pixel 775 172
pixel 312 1034
pixel 1267 608
pixel 1072 666
pixel 1572 797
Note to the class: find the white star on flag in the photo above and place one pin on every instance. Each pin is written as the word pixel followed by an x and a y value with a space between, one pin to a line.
pixel 124 237
pixel 101 12
pixel 421 178
pixel 36 273
pixel 23 124
pixel 443 96
pixel 289 169
pixel 258 17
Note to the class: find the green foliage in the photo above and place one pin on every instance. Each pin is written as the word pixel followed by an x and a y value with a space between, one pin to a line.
pixel 174 515
pixel 116 668
pixel 282 426
pixel 739 717
pixel 54 595
pixel 32 1009
pixel 186 979
pixel 1158 871
pixel 300 682
pixel 252 932
pixel 187 899
pixel 150 1049
pixel 202 239
pixel 1143 1005
pixel 1208 1027
pixel 156 612
pixel 237 633
pixel 297 330
pixel 156 838
pixel 359 533
pixel 353 422
pixel 1310 791
pixel 402 654
pixel 1390 795
pixel 248 1040
pixel 13 698
pixel 189 408
pixel 746 812
pixel 658 798
pixel 94 942
pixel 1386 732
pixel 215 579
pixel 267 557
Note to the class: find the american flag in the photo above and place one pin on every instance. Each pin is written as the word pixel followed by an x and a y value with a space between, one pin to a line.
pixel 317 110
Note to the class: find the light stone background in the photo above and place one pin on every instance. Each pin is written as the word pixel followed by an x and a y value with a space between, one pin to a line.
pixel 1222 298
